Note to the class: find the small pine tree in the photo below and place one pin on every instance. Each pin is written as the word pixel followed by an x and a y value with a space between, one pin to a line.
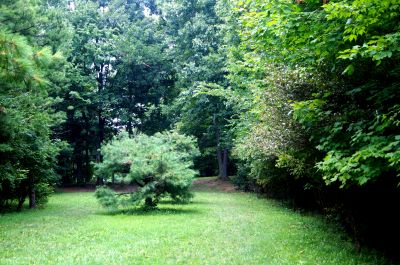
pixel 161 165
pixel 27 151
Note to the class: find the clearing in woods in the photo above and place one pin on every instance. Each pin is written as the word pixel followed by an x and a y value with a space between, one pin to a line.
pixel 220 226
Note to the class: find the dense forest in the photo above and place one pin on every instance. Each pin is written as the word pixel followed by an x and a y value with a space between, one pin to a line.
pixel 296 100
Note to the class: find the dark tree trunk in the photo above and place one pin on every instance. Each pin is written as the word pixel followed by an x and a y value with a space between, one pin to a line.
pixel 101 120
pixel 87 165
pixel 222 156
pixel 100 136
pixel 130 107
pixel 87 151
pixel 20 204
pixel 21 201
pixel 224 175
pixel 79 174
pixel 219 158
pixel 32 197
pixel 129 126
pixel 101 82
pixel 100 139
pixel 78 167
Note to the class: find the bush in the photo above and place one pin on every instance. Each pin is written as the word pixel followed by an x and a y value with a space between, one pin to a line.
pixel 43 192
pixel 161 165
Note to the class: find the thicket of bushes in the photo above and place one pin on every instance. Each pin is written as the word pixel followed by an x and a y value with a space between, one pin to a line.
pixel 322 82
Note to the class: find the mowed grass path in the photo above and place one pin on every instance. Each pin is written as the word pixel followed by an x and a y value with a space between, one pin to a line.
pixel 216 228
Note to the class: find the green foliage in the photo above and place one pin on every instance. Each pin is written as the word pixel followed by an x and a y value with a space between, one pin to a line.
pixel 27 151
pixel 43 192
pixel 317 86
pixel 205 113
pixel 195 32
pixel 350 119
pixel 119 74
pixel 372 151
pixel 161 165
pixel 370 23
pixel 107 197
pixel 270 143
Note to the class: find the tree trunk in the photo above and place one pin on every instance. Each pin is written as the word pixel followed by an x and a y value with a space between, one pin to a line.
pixel 100 125
pixel 129 126
pixel 100 139
pixel 224 175
pixel 220 162
pixel 32 196
pixel 20 204
pixel 21 201
pixel 222 156
pixel 87 152
pixel 130 108
pixel 101 70
pixel 87 165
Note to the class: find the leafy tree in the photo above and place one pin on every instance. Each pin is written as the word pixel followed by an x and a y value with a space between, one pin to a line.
pixel 194 31
pixel 337 115
pixel 204 114
pixel 144 80
pixel 322 82
pixel 92 58
pixel 161 165
pixel 118 76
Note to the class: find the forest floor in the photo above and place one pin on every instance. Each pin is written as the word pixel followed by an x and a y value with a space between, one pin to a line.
pixel 220 226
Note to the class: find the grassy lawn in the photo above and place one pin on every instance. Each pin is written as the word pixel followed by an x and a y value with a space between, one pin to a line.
pixel 216 228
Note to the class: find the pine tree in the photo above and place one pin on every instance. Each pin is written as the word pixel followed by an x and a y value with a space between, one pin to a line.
pixel 27 152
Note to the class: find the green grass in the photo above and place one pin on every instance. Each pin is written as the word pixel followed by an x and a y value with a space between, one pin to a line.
pixel 216 228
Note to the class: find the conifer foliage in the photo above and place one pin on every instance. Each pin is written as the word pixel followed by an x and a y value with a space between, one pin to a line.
pixel 160 165
pixel 27 153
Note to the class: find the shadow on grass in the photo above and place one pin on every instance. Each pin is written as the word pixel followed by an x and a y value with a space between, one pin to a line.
pixel 153 212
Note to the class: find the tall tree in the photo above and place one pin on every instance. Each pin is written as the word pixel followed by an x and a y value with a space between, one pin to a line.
pixel 144 79
pixel 195 34
pixel 118 77
pixel 27 150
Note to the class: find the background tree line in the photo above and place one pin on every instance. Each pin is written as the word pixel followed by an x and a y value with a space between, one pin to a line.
pixel 295 99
